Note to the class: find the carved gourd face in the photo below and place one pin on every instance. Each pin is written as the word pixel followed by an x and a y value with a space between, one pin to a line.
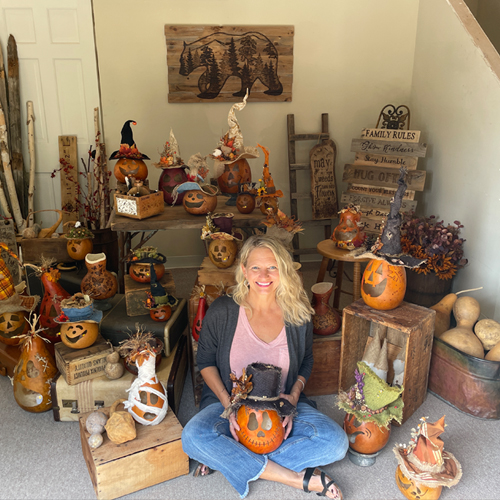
pixel 197 202
pixel 78 248
pixel 413 492
pixel 245 203
pixel 261 431
pixel 365 437
pixel 383 286
pixel 142 272
pixel 348 229
pixel 234 173
pixel 131 168
pixel 269 202
pixel 169 178
pixel 161 313
pixel 79 335
pixel 222 253
pixel 12 324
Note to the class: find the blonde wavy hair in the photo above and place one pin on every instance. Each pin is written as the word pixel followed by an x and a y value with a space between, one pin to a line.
pixel 290 294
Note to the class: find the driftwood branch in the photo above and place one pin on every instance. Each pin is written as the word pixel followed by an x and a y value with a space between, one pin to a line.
pixel 3 202
pixel 100 166
pixel 3 88
pixel 31 149
pixel 9 178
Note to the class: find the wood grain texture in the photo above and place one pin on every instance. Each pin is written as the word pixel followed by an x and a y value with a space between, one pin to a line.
pixel 323 184
pixel 218 63
pixel 390 161
pixel 135 293
pixel 378 191
pixel 385 177
pixel 377 203
pixel 210 274
pixel 68 151
pixel 394 148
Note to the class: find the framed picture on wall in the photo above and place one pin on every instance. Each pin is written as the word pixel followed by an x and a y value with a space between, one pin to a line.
pixel 219 63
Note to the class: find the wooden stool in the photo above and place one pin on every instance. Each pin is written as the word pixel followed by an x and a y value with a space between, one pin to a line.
pixel 329 251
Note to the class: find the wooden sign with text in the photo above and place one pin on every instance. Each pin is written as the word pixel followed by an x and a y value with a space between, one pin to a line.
pixel 69 194
pixel 388 148
pixel 377 191
pixel 323 185
pixel 381 203
pixel 381 176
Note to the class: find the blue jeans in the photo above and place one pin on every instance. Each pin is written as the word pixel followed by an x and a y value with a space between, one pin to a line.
pixel 315 440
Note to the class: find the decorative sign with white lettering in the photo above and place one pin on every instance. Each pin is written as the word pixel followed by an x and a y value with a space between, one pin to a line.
pixel 323 185
pixel 378 176
pixel 386 134
pixel 388 148
pixel 410 162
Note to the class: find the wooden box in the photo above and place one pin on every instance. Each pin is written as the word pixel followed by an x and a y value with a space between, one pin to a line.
pixel 470 384
pixel 55 248
pixel 210 274
pixel 139 207
pixel 71 401
pixel 154 456
pixel 79 365
pixel 9 357
pixel 414 322
pixel 135 293
pixel 324 379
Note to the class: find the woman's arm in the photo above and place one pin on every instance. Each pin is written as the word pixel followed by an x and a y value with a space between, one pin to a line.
pixel 212 378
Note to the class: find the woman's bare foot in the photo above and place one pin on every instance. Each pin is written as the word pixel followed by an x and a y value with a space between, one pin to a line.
pixel 317 480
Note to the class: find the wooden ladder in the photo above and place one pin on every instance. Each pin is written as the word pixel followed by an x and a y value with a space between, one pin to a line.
pixel 294 194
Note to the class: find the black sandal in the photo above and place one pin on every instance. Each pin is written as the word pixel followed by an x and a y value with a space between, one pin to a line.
pixel 202 470
pixel 325 481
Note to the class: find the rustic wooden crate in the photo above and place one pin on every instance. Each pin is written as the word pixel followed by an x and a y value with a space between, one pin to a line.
pixel 55 248
pixel 414 322
pixel 71 401
pixel 135 293
pixel 210 274
pixel 139 207
pixel 154 456
pixel 79 365
pixel 324 378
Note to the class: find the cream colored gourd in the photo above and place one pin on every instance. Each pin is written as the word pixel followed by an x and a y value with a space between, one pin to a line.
pixel 494 354
pixel 466 311
pixel 488 331
pixel 443 311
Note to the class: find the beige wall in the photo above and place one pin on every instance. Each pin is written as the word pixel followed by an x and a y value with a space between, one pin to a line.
pixel 455 101
pixel 351 57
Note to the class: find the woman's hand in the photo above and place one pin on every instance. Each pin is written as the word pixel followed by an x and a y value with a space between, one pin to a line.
pixel 233 426
pixel 288 421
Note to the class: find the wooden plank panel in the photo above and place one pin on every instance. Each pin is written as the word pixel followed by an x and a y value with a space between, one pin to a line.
pixel 376 202
pixel 371 225
pixel 323 185
pixel 386 134
pixel 69 193
pixel 365 189
pixel 233 59
pixel 388 147
pixel 409 162
pixel 386 177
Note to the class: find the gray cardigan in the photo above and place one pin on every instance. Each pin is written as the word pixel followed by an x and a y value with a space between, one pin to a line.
pixel 216 338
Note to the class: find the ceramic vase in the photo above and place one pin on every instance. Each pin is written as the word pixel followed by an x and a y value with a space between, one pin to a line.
pixel 366 438
pixel 326 320
pixel 98 283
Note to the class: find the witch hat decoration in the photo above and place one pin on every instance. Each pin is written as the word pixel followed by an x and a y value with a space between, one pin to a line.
pixel 128 149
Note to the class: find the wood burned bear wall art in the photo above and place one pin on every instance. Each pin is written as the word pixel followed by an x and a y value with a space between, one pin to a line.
pixel 219 63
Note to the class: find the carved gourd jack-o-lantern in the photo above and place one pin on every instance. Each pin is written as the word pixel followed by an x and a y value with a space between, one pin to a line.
pixel 365 437
pixel 412 491
pixel 78 248
pixel 169 178
pixel 383 286
pixel 234 173
pixel 269 202
pixel 223 253
pixel 141 272
pixel 347 234
pixel 197 202
pixel 161 313
pixel 128 167
pixel 245 203
pixel 12 324
pixel 261 431
pixel 147 401
pixel 79 335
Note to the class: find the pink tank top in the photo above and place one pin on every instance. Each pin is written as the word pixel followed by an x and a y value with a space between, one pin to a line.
pixel 248 348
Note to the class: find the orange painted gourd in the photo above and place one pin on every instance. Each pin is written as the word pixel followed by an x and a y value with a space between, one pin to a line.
pixel 141 272
pixel 197 202
pixel 383 286
pixel 245 203
pixel 234 173
pixel 413 492
pixel 79 335
pixel 365 437
pixel 131 168
pixel 32 376
pixel 12 324
pixel 161 313
pixel 269 202
pixel 261 431
pixel 78 248
pixel 222 253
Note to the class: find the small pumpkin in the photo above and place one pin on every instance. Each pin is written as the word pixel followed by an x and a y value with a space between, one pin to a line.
pixel 365 437
pixel 12 324
pixel 78 248
pixel 161 313
pixel 413 492
pixel 141 272
pixel 261 431
pixel 245 203
pixel 234 174
pixel 222 253
pixel 79 335
pixel 198 202
pixel 128 167
pixel 383 286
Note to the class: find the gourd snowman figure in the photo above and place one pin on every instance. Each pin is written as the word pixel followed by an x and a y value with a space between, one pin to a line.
pixel 147 399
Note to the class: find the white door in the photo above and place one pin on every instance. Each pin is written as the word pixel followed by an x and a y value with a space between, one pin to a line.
pixel 58 72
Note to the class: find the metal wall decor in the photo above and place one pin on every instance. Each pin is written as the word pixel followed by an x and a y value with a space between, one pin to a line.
pixel 394 118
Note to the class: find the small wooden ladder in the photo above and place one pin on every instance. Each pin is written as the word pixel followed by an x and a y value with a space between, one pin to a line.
pixel 294 194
